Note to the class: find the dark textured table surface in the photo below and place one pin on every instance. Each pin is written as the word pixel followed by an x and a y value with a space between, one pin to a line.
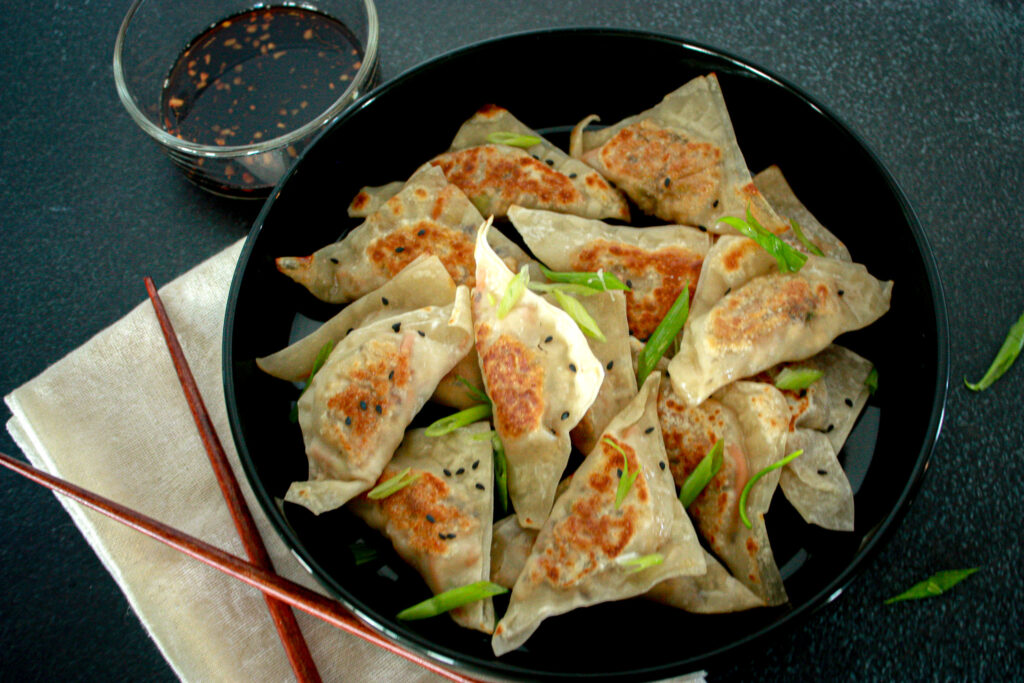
pixel 936 89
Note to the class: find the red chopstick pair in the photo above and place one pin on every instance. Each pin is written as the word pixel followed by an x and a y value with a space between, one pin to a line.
pixel 278 591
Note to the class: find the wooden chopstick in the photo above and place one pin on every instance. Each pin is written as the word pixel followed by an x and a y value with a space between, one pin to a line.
pixel 284 619
pixel 279 587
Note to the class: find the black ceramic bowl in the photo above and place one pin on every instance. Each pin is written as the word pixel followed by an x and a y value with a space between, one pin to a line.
pixel 550 80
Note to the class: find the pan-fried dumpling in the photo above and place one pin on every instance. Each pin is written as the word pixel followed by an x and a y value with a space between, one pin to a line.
pixel 429 216
pixel 356 409
pixel 680 160
pixel 582 554
pixel 495 176
pixel 780 196
pixel 751 418
pixel 769 318
pixel 540 375
pixel 655 262
pixel 441 523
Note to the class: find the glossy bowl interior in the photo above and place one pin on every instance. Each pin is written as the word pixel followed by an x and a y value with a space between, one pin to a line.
pixel 562 76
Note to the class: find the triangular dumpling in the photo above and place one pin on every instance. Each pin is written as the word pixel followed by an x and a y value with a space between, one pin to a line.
pixel 441 523
pixel 356 409
pixel 582 555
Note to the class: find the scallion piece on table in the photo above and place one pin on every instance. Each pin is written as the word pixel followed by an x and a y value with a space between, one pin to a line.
pixel 362 553
pixel 450 599
pixel 702 475
pixel 500 471
pixel 599 281
pixel 753 480
pixel 640 563
pixel 1007 354
pixel 579 315
pixel 627 478
pixel 794 378
pixel 664 333
pixel 789 259
pixel 504 137
pixel 811 246
pixel 567 287
pixel 934 585
pixel 392 485
pixel 449 424
pixel 872 381
pixel 514 291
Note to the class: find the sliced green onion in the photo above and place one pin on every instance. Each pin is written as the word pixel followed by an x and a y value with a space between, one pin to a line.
pixel 450 599
pixel 753 480
pixel 788 258
pixel 811 246
pixel 666 331
pixel 514 291
pixel 872 381
pixel 794 379
pixel 640 563
pixel 362 553
pixel 504 137
pixel 449 424
pixel 567 287
pixel 935 585
pixel 599 281
pixel 500 471
pixel 491 300
pixel 481 436
pixel 473 390
pixel 702 475
pixel 318 362
pixel 627 479
pixel 584 320
pixel 1008 353
pixel 392 485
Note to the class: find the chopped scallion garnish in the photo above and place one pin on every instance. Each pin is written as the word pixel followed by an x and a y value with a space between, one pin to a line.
pixel 638 564
pixel 935 585
pixel 599 281
pixel 626 479
pixel 318 362
pixel 579 315
pixel 872 381
pixel 701 475
pixel 450 599
pixel 811 246
pixel 1007 354
pixel 567 287
pixel 504 137
pixel 392 485
pixel 500 471
pixel 753 480
pixel 789 259
pixel 794 378
pixel 362 553
pixel 514 291
pixel 462 418
pixel 472 390
pixel 663 335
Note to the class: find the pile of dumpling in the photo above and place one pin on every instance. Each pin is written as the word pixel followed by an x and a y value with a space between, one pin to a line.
pixel 422 278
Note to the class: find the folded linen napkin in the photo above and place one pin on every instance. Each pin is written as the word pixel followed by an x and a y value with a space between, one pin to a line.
pixel 111 417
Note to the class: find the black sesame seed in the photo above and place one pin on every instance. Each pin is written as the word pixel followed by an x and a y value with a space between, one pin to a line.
pixel 391 375
pixel 378 409
pixel 481 486
pixel 396 327
pixel 421 233
pixel 629 283
pixel 348 420
pixel 430 518
pixel 830 428
pixel 610 364
pixel 714 204
pixel 702 228
pixel 476 464
pixel 572 176
pixel 399 250
pixel 461 470
pixel 572 367
pixel 565 415
pixel 549 162
pixel 620 472
pixel 451 535
pixel 548 339
pixel 447 472
pixel 668 181
pixel 803 392
pixel 840 292
pixel 441 536
pixel 384 300
pixel 848 402
pixel 421 333
pixel 661 464
pixel 335 261
pixel 362 405
pixel 823 472
pixel 535 157
pixel 648 430
pixel 729 289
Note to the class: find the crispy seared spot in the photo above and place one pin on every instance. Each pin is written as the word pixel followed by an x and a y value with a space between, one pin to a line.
pixel 505 176
pixel 515 383
pixel 737 253
pixel 664 172
pixel 353 392
pixel 763 307
pixel 490 111
pixel 396 250
pixel 657 277
pixel 596 182
pixel 361 201
pixel 407 511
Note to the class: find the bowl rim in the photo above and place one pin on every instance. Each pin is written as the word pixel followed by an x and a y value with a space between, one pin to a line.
pixel 322 120
pixel 872 541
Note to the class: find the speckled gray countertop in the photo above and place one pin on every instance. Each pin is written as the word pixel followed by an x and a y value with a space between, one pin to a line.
pixel 936 89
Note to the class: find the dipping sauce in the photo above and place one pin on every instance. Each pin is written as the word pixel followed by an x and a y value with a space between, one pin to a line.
pixel 255 76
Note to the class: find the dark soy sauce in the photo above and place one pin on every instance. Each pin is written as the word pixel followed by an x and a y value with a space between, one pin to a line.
pixel 255 76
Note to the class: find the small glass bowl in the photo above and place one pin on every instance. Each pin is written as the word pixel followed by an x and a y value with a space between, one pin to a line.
pixel 153 35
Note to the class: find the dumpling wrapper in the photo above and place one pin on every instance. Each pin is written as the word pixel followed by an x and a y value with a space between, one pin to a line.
pixel 714 592
pixel 751 418
pixel 579 556
pixel 767 317
pixel 356 409
pixel 656 262
pixel 496 176
pixel 445 500
pixel 680 160
pixel 783 200
pixel 428 216
pixel 540 375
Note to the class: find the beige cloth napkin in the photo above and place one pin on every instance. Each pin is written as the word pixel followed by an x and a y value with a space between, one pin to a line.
pixel 111 417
